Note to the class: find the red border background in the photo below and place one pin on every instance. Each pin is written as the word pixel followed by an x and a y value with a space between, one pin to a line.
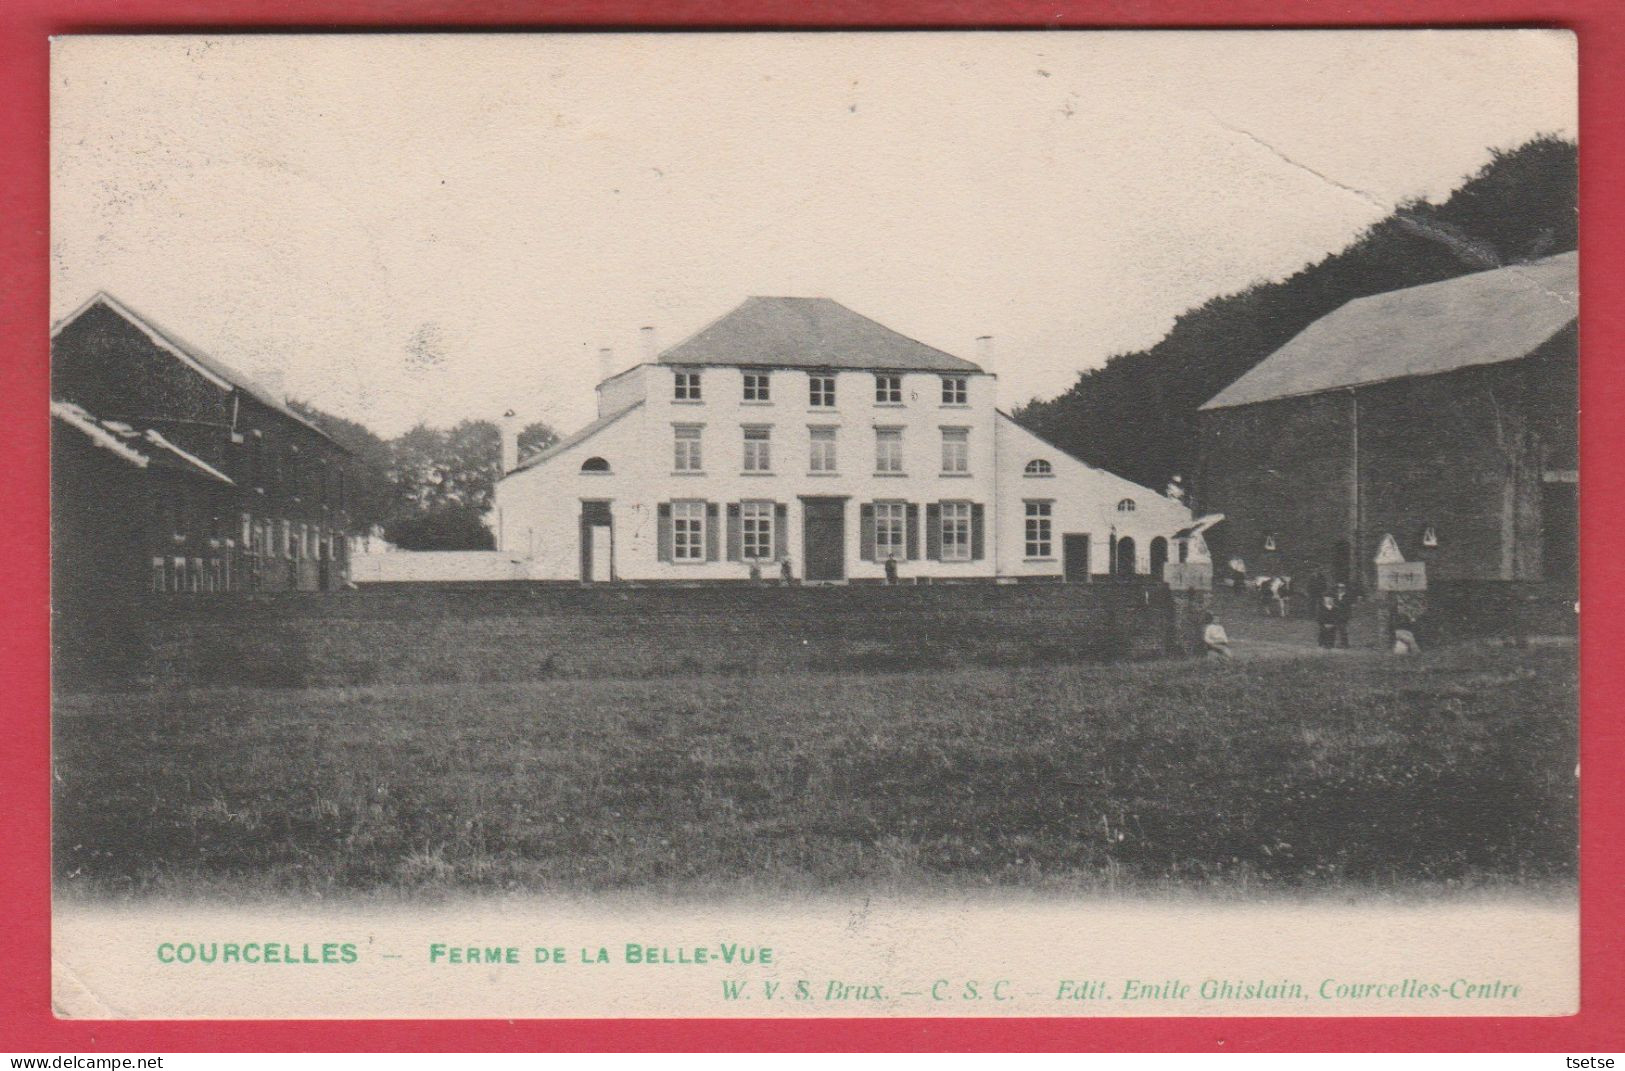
pixel 26 1023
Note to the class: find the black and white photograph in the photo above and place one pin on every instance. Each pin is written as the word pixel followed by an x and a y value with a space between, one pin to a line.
pixel 815 524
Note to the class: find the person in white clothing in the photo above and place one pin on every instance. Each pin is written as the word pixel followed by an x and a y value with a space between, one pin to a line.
pixel 1214 639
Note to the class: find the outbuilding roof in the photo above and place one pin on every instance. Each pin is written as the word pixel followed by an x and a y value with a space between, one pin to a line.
pixel 138 448
pixel 796 332
pixel 213 369
pixel 1483 318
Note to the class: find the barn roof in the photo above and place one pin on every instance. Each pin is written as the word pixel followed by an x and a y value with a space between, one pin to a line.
pixel 1479 319
pixel 794 332
pixel 138 448
pixel 213 369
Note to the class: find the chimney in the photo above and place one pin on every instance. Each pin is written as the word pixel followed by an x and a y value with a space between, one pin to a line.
pixel 606 363
pixel 508 427
pixel 984 351
pixel 651 348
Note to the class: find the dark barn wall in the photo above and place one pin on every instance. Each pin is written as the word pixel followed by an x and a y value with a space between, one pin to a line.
pixel 109 366
pixel 1278 468
pixel 283 469
pixel 1461 452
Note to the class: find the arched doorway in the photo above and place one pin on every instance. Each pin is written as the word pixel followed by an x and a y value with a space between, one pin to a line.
pixel 1159 556
pixel 1125 557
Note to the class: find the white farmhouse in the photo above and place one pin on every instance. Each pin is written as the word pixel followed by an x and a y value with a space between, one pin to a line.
pixel 795 430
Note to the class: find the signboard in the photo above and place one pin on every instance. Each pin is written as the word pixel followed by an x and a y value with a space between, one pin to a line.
pixel 1402 576
pixel 1188 576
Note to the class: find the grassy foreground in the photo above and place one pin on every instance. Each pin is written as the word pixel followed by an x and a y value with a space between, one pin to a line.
pixel 1457 768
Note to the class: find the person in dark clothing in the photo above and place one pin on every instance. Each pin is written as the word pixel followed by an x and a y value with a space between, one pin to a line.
pixel 1343 602
pixel 1326 620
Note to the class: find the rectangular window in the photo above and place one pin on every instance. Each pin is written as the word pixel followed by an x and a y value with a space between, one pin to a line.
pixel 688 531
pixel 891 531
pixel 953 390
pixel 687 450
pixel 821 392
pixel 756 531
pixel 955 449
pixel 956 531
pixel 756 387
pixel 888 449
pixel 888 390
pixel 758 450
pixel 688 387
pixel 1038 541
pixel 822 458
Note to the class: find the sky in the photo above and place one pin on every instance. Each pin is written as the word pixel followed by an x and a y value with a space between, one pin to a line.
pixel 429 228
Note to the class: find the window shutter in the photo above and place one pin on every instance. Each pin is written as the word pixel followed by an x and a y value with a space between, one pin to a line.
pixel 735 539
pixel 866 532
pixel 781 530
pixel 663 532
pixel 976 532
pixel 933 531
pixel 711 531
pixel 912 530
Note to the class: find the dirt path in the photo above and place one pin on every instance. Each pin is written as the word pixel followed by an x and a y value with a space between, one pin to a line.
pixel 1252 635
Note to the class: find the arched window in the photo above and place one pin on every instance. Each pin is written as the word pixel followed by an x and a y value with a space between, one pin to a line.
pixel 595 464
pixel 1039 467
pixel 1126 506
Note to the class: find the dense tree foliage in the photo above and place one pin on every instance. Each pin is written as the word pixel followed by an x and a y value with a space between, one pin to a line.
pixel 428 487
pixel 1136 415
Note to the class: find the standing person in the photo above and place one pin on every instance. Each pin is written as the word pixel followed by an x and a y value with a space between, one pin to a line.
pixel 1279 587
pixel 1344 611
pixel 1326 620
pixel 1215 642
pixel 1405 635
pixel 1238 573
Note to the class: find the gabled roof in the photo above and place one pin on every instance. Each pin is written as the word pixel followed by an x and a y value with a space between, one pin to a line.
pixel 1125 483
pixel 792 332
pixel 138 448
pixel 212 369
pixel 574 438
pixel 1479 319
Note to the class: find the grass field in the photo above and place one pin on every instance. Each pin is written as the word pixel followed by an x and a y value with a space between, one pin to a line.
pixel 1454 769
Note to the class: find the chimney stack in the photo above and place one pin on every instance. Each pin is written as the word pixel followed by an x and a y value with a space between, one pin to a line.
pixel 984 351
pixel 509 429
pixel 606 363
pixel 651 348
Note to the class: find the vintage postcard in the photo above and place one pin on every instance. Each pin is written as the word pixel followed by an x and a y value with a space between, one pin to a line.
pixel 815 524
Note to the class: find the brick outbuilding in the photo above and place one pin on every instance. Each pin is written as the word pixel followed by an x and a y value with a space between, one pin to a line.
pixel 1443 415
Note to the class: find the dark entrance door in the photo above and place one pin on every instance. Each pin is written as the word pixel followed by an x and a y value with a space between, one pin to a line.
pixel 1159 557
pixel 1075 557
pixel 823 538
pixel 1560 530
pixel 1127 561
pixel 596 552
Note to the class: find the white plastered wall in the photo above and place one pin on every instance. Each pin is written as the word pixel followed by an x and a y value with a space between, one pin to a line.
pixel 1084 501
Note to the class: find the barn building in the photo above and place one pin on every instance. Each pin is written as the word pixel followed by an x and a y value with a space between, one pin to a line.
pixel 172 473
pixel 1444 415
pixel 795 430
